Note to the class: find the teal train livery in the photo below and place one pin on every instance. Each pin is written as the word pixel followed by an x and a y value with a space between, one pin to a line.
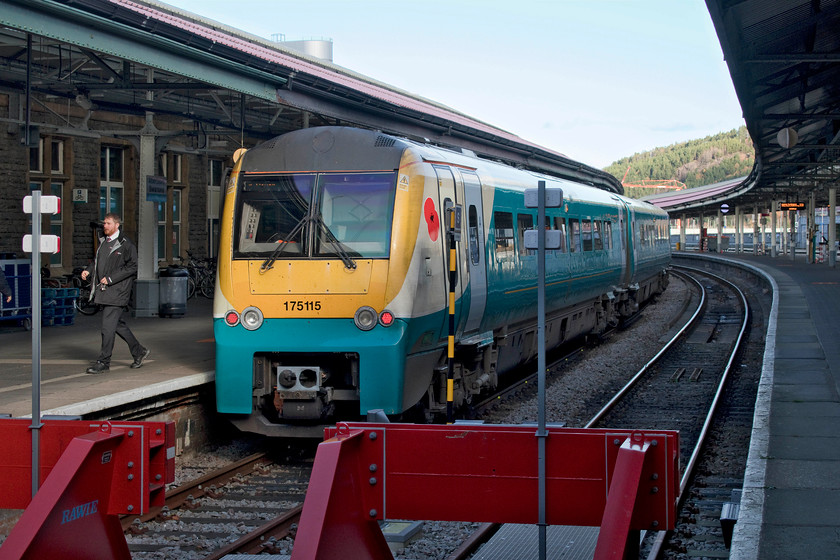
pixel 337 295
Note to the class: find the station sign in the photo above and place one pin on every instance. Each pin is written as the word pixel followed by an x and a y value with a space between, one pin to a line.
pixel 791 206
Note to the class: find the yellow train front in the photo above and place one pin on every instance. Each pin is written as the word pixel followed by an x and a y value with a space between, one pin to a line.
pixel 333 290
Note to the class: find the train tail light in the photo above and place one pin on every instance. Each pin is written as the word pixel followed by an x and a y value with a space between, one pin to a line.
pixel 232 318
pixel 386 318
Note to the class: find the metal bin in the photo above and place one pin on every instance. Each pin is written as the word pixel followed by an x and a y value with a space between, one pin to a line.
pixel 173 291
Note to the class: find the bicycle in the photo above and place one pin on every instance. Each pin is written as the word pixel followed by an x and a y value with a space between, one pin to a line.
pixel 201 276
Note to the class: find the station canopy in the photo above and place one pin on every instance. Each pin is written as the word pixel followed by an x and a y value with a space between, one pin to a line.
pixel 138 57
pixel 784 59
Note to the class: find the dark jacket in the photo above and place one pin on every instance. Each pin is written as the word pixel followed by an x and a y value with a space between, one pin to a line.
pixel 118 264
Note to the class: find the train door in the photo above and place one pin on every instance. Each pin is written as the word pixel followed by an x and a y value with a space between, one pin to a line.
pixel 625 226
pixel 475 250
pixel 448 197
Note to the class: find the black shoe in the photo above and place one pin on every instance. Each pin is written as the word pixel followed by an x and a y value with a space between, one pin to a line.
pixel 138 361
pixel 98 367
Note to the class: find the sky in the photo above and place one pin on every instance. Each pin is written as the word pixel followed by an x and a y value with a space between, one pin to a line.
pixel 596 80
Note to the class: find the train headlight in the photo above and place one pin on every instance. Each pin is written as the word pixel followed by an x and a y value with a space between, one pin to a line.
pixel 232 318
pixel 252 318
pixel 365 318
pixel 386 318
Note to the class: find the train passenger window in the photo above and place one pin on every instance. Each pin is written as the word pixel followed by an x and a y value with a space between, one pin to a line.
pixel 586 234
pixel 503 232
pixel 597 243
pixel 607 235
pixel 472 217
pixel 524 222
pixel 560 224
pixel 574 228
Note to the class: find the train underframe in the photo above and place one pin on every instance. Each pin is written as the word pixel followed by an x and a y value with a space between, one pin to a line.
pixel 297 394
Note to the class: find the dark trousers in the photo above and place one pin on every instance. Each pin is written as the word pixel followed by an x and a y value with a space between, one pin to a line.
pixel 113 323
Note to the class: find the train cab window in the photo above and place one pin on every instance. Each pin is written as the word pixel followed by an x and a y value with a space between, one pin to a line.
pixel 503 232
pixel 524 222
pixel 472 217
pixel 574 229
pixel 356 211
pixel 560 224
pixel 270 211
pixel 352 215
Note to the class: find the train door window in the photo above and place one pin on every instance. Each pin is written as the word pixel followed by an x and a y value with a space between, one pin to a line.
pixel 586 234
pixel 597 243
pixel 574 229
pixel 503 233
pixel 472 217
pixel 560 224
pixel 524 222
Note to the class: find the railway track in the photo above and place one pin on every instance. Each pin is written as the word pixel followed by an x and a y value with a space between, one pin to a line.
pixel 687 386
pixel 248 507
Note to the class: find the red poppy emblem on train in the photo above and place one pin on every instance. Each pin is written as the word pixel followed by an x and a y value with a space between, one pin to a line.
pixel 432 219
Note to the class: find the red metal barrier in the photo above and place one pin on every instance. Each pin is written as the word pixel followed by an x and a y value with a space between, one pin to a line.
pixel 620 480
pixel 92 472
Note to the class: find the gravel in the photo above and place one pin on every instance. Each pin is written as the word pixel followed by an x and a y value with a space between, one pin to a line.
pixel 570 390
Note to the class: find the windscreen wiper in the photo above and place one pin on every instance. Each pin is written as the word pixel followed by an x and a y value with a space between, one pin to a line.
pixel 268 263
pixel 349 263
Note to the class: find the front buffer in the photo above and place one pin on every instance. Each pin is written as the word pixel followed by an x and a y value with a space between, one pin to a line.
pixel 289 377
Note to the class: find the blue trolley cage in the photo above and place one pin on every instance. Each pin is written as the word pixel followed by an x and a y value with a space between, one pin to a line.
pixel 19 275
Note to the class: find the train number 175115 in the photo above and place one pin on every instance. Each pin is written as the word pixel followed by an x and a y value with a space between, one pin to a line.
pixel 302 305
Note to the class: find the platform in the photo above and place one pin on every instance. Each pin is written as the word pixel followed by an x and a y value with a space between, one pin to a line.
pixel 790 507
pixel 183 356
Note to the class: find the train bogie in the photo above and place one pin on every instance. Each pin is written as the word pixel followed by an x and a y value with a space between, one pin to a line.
pixel 340 286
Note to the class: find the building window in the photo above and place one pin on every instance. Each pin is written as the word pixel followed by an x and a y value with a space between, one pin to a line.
pixel 56 220
pixel 172 241
pixel 214 205
pixel 170 167
pixel 36 158
pixel 57 157
pixel 111 185
pixel 46 173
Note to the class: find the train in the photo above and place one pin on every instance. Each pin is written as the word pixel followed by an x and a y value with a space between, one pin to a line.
pixel 360 271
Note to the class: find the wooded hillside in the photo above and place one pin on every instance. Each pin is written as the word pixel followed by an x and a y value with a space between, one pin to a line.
pixel 694 163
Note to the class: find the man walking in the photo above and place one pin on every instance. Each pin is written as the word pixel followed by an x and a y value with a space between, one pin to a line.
pixel 113 272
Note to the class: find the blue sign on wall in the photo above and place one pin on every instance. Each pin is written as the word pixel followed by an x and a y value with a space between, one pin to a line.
pixel 155 188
